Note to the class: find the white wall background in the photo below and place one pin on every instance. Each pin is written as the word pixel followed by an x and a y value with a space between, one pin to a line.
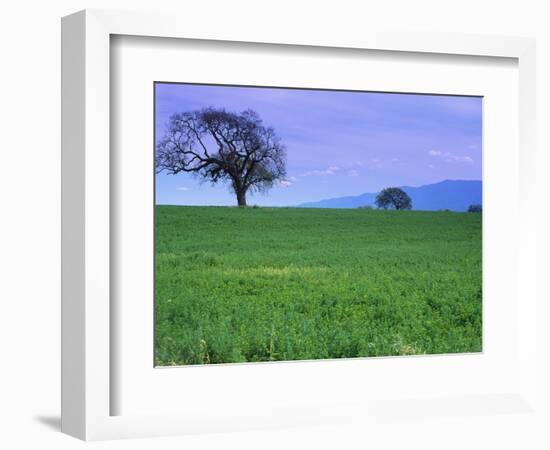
pixel 30 196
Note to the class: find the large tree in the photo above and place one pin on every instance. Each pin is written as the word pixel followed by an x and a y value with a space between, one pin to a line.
pixel 218 145
pixel 393 197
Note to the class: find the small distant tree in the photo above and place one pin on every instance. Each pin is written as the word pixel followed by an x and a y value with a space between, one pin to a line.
pixel 393 198
pixel 474 208
pixel 365 207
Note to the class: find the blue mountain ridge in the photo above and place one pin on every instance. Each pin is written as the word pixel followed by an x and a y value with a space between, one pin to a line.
pixel 455 195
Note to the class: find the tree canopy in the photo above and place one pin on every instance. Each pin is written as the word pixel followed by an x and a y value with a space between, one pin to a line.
pixel 222 146
pixel 393 198
pixel 474 208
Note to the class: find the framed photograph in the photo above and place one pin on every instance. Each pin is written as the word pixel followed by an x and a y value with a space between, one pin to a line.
pixel 266 230
pixel 331 232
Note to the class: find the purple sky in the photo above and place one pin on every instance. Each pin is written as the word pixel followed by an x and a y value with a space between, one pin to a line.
pixel 338 143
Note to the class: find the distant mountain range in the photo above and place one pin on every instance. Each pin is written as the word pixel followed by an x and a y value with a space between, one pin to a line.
pixel 455 195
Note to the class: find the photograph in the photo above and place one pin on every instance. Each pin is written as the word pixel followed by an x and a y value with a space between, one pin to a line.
pixel 298 223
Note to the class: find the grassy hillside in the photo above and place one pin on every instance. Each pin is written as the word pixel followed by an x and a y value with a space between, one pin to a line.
pixel 265 284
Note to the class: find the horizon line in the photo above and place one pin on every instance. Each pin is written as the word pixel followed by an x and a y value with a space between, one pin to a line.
pixel 327 199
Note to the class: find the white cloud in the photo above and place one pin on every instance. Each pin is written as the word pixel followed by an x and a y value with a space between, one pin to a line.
pixel 182 188
pixel 351 170
pixel 450 157
pixel 285 183
pixel 331 170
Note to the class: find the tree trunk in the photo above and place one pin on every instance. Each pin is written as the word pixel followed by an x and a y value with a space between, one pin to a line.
pixel 241 197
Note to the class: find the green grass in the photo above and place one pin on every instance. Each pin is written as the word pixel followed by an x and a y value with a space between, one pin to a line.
pixel 273 284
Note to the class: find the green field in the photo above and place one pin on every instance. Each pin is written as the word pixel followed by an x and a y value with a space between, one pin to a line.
pixel 272 284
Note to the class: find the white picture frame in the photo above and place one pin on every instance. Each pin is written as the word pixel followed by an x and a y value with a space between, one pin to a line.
pixel 87 387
